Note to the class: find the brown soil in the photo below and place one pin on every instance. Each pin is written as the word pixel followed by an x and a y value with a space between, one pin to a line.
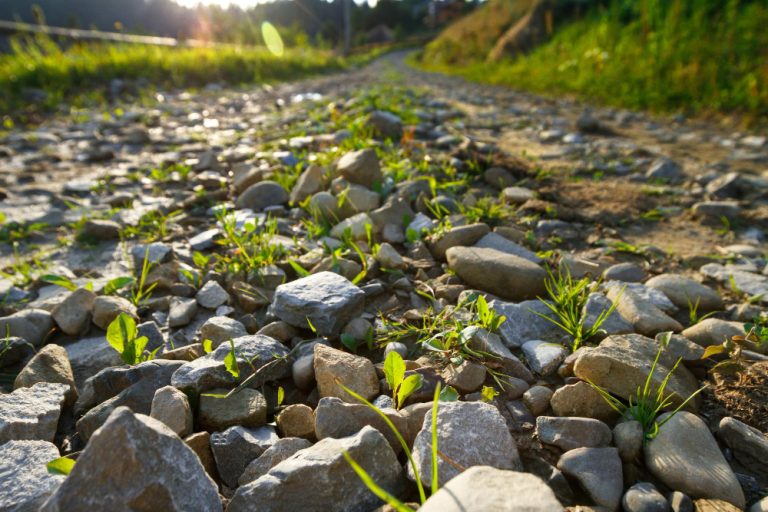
pixel 744 397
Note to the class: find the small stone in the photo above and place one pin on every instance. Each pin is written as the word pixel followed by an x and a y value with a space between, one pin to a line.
pixel 466 377
pixel 107 308
pixel 182 311
pixel 272 456
pixel 537 398
pixel 220 329
pixel 262 195
pixel 50 364
pixel 749 445
pixel 523 324
pixel 581 400
pixel 457 236
pixel 598 471
pixel 517 195
pixel 490 489
pixel 155 253
pixel 388 257
pixel 716 210
pixel 337 419
pixel 212 295
pixel 490 343
pixel 171 407
pixel 544 357
pixel 26 483
pixel 334 368
pixel 570 433
pixel 100 229
pixel 498 242
pixel 246 407
pixel 361 167
pixel 296 420
pixel 644 497
pixel 310 181
pixel 386 125
pixel 713 331
pixel 32 413
pixel 627 272
pixel 31 324
pixel 686 293
pixel 73 315
pixel 664 169
pixel 236 447
pixel 680 502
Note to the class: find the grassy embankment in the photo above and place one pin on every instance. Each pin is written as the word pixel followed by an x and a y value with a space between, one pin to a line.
pixel 81 74
pixel 699 57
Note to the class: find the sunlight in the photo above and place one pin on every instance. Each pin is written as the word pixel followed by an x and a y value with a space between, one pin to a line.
pixel 223 3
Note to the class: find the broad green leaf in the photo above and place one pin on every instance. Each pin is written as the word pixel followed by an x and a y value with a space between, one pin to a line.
pixel 394 369
pixel 60 466
pixel 230 361
pixel 121 331
pixel 89 286
pixel 200 260
pixel 140 344
pixel 713 350
pixel 349 341
pixel 280 395
pixel 62 281
pixel 207 346
pixel 488 394
pixel 448 394
pixel 407 387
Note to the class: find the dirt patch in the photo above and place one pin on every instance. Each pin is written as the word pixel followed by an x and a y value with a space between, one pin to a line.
pixel 744 397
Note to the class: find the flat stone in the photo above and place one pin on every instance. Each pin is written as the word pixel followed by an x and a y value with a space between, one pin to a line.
pixel 32 413
pixel 220 329
pixel 598 471
pixel 322 473
pixel 25 483
pixel 466 377
pixel 154 470
pixel 581 400
pixel 505 275
pixel 457 236
pixel 500 243
pixel 523 324
pixel 749 445
pixel 31 324
pixel 570 433
pixel 334 368
pixel 262 195
pixel 713 331
pixel 337 419
pixel 621 364
pixel 235 448
pixel 73 314
pixel 272 456
pixel 597 303
pixel 544 357
pixel 488 488
pixel 645 317
pixel 685 293
pixel 470 434
pixel 212 295
pixel 481 340
pixel 247 407
pixel 685 457
pixel 328 300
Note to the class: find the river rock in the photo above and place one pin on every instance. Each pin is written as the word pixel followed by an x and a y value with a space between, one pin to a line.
pixel 524 323
pixel 713 331
pixel 581 400
pixel 644 497
pixel 645 317
pixel 685 457
pixel 684 292
pixel 570 433
pixel 361 167
pixel 456 236
pixel 544 357
pixel 212 295
pixel 598 471
pixel 262 195
pixel 73 314
pixel 134 462
pixel 106 308
pixel 31 324
pixel 749 445
pixel 334 368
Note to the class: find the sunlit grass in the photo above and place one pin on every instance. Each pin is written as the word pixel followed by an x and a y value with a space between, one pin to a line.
pixel 697 57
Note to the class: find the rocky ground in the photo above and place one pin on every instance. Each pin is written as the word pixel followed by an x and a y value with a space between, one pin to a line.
pixel 274 245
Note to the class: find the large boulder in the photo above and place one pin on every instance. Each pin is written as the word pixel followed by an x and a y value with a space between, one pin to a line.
pixel 685 456
pixel 505 275
pixel 320 479
pixel 328 300
pixel 470 434
pixel 134 462
pixel 621 364
pixel 488 488
pixel 25 483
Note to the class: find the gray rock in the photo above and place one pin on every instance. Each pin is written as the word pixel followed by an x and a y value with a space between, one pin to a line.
pixel 334 368
pixel 247 407
pixel 171 407
pixel 466 377
pixel 685 293
pixel 182 311
pixel 388 257
pixel 537 399
pixel 505 275
pixel 32 413
pixel 296 420
pixel 25 483
pixel 596 304
pixel 523 324
pixel 337 419
pixel 488 488
pixel 680 502
pixel 581 400
pixel 713 331
pixel 681 347
pixel 627 272
pixel 386 124
pixel 685 457
pixel 100 229
pixel 490 343
pixel 716 210
pixel 646 293
pixel 50 364
pixel 644 316
pixel 15 350
pixel 395 211
pixel 517 195
pixel 73 314
pixel 470 434
pixel 747 282
pixel 328 300
pixel 570 433
pixel 664 169
pixel 498 242
pixel 544 357
pixel 355 226
pixel 89 356
pixel 155 253
pixel 310 181
pixel 220 329
pixel 361 167
pixel 322 473
pixel 628 438
pixel 749 445
pixel 620 364
pixel 155 337
pixel 212 295
pixel 136 463
pixel 209 372
pixel 236 447
pixel 598 471
pixel 457 236
pixel 760 506
pixel 644 497
pixel 262 195
pixel 31 324
pixel 106 308
pixel 272 456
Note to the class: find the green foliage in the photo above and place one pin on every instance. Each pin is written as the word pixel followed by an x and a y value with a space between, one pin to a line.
pixel 152 226
pixel 11 232
pixel 249 248
pixel 693 312
pixel 647 404
pixel 60 466
pixel 755 338
pixel 23 270
pixel 489 394
pixel 699 56
pixel 141 292
pixel 402 387
pixel 230 361
pixel 57 280
pixel 122 335
pixel 567 299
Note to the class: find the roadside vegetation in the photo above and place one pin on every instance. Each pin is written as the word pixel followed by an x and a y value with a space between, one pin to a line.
pixel 699 57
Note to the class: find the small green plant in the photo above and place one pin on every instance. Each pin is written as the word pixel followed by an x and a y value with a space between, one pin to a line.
pixel 23 270
pixel 693 312
pixel 122 335
pixel 353 344
pixel 488 394
pixel 60 466
pixel 140 291
pixel 383 494
pixel 568 298
pixel 230 361
pixel 755 337
pixel 647 404
pixel 249 248
pixel 152 226
pixel 11 232
pixel 402 387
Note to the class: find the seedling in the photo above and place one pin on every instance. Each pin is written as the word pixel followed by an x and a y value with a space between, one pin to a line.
pixel 402 387
pixel 122 335
pixel 60 466
pixel 755 336
pixel 646 405
pixel 140 292
pixel 693 312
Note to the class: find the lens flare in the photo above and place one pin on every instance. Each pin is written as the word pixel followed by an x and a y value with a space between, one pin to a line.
pixel 272 38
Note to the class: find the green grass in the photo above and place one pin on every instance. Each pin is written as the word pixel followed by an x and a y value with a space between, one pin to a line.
pixel 81 74
pixel 699 57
